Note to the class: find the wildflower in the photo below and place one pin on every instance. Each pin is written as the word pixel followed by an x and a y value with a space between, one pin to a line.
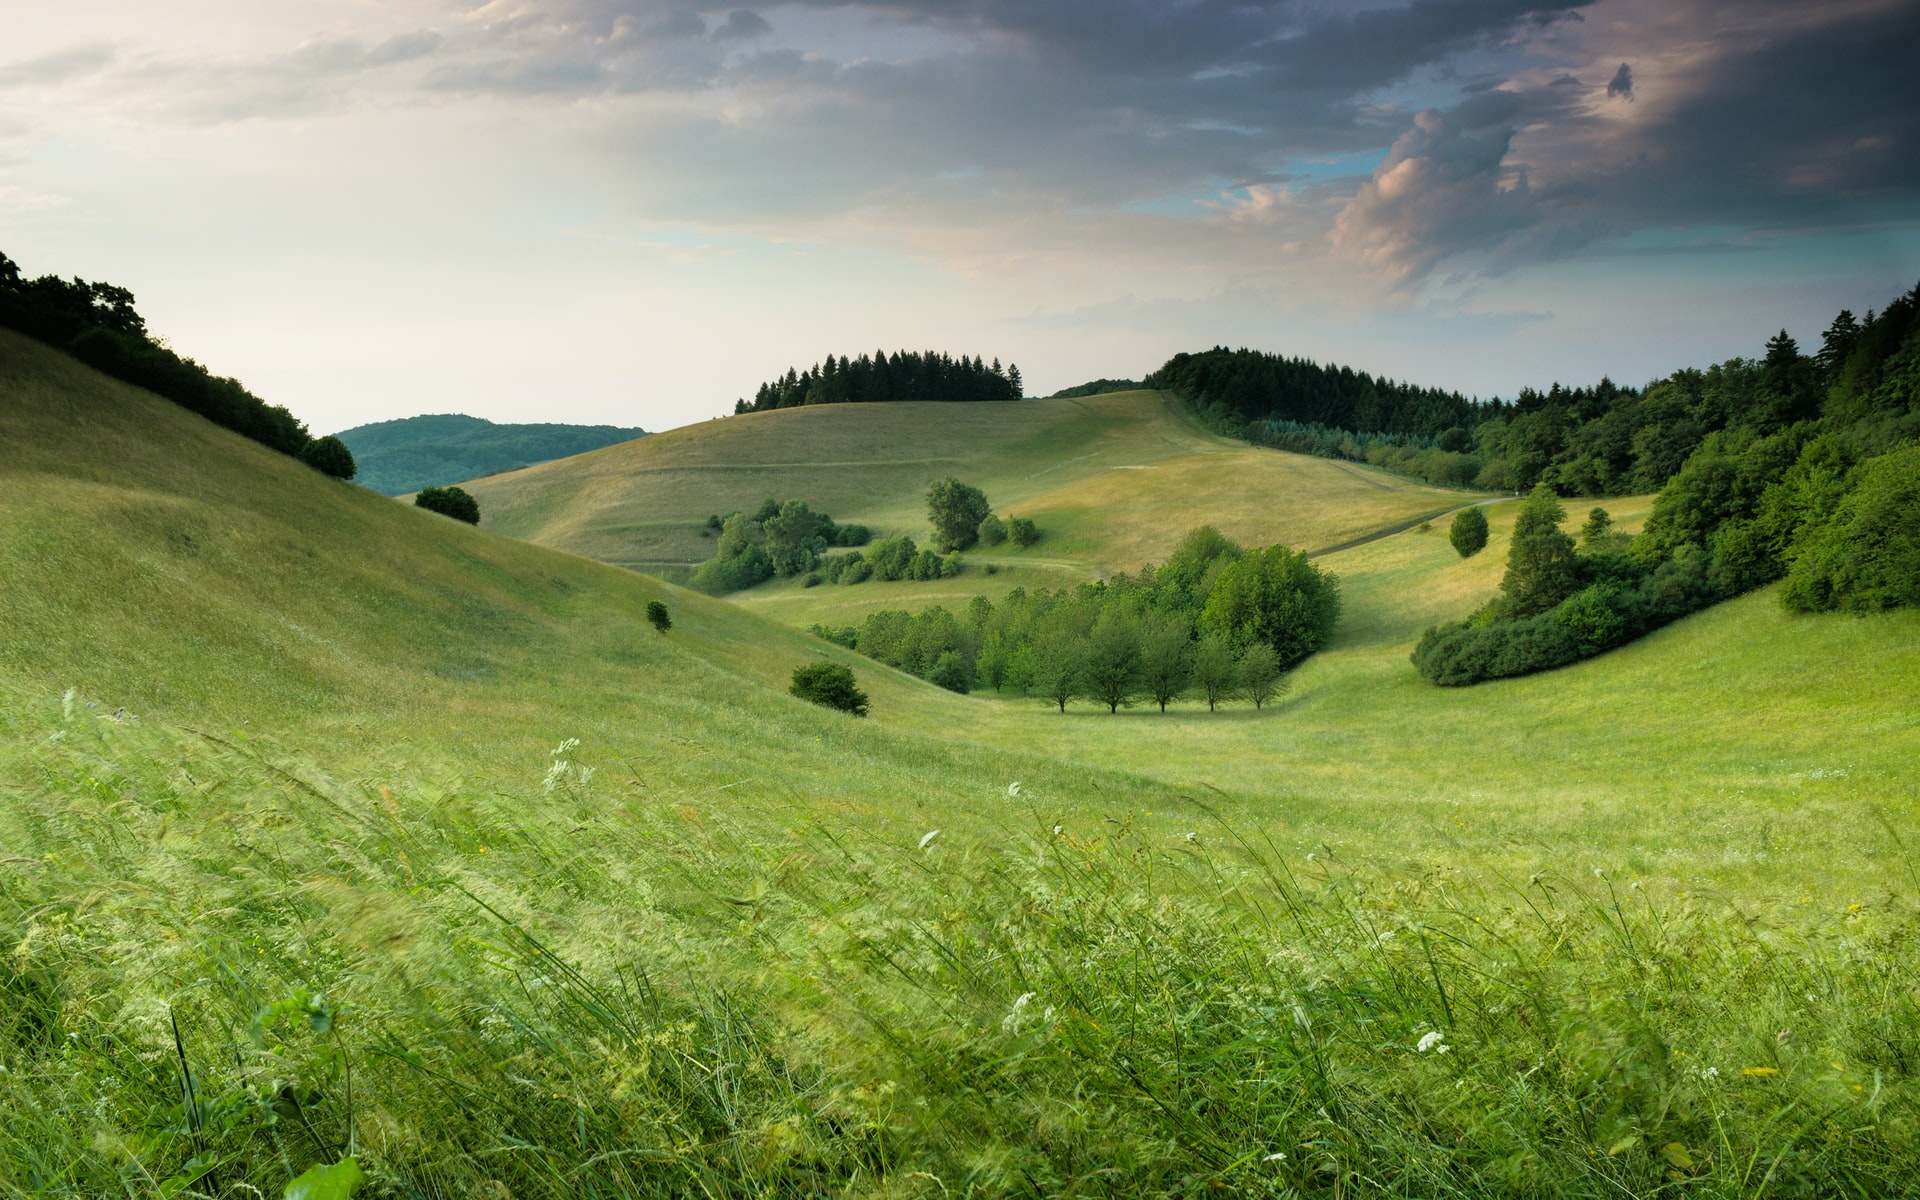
pixel 1013 789
pixel 1017 1014
pixel 1058 830
pixel 1192 837
pixel 928 839
pixel 1433 1039
pixel 1276 1156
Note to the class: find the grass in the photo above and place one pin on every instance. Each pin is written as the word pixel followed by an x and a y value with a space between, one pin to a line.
pixel 1063 462
pixel 320 743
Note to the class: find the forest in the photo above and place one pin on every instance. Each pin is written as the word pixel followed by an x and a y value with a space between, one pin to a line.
pixel 880 377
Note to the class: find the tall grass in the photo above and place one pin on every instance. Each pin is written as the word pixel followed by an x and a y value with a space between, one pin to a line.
pixel 574 987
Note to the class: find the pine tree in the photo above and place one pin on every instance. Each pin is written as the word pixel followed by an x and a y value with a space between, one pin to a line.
pixel 1542 568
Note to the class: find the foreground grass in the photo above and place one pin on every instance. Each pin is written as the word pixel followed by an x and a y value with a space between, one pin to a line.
pixel 586 984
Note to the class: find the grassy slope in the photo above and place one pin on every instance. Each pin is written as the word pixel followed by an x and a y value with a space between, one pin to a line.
pixel 412 674
pixel 1111 479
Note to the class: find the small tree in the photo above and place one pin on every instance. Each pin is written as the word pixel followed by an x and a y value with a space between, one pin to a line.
pixel 1468 532
pixel 1542 568
pixel 449 502
pixel 329 456
pixel 1216 670
pixel 1260 677
pixel 992 531
pixel 1058 663
pixel 657 616
pixel 1023 531
pixel 955 510
pixel 1597 533
pixel 829 684
pixel 1113 659
pixel 1166 656
pixel 950 672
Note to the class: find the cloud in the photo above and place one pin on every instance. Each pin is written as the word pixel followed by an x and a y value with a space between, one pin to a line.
pixel 741 24
pixel 58 67
pixel 1621 85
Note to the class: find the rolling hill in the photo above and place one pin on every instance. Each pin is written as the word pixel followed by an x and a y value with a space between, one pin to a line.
pixel 398 457
pixel 1113 480
pixel 563 906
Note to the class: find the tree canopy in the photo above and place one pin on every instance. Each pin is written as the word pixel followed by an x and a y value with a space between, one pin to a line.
pixel 879 377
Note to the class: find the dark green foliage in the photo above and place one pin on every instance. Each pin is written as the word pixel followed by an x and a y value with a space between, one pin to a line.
pixel 329 456
pixel 1166 655
pixel 1231 389
pixel 449 502
pixel 955 510
pixel 907 375
pixel 1022 531
pixel 1098 387
pixel 1541 566
pixel 1277 597
pixel 950 672
pixel 98 324
pixel 784 538
pixel 402 456
pixel 658 617
pixel 1111 659
pixel 740 558
pixel 1597 533
pixel 829 684
pixel 1866 555
pixel 1468 533
pixel 992 531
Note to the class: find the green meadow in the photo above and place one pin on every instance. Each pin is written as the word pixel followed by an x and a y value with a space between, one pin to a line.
pixel 333 828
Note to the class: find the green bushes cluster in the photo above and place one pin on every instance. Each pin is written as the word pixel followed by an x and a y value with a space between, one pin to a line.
pixel 1215 621
pixel 889 560
pixel 831 685
pixel 780 538
pixel 449 502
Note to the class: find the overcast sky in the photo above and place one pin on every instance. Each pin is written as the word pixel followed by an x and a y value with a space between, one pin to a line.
pixel 633 211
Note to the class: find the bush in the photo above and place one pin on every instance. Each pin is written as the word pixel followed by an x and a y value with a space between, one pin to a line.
pixel 1866 557
pixel 955 511
pixel 658 617
pixel 950 672
pixel 449 502
pixel 1023 531
pixel 831 685
pixel 992 531
pixel 329 456
pixel 1468 533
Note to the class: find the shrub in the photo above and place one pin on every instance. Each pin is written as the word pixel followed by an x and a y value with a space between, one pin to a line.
pixel 992 531
pixel 1023 531
pixel 955 511
pixel 1468 533
pixel 658 617
pixel 950 672
pixel 831 685
pixel 449 502
pixel 329 456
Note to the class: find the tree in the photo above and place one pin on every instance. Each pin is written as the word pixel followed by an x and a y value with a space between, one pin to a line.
pixel 1113 659
pixel 329 456
pixel 1260 675
pixel 1059 666
pixel 449 502
pixel 1166 655
pixel 1023 531
pixel 796 537
pixel 950 672
pixel 1216 669
pixel 829 684
pixel 1542 568
pixel 1278 597
pixel 1597 533
pixel 658 617
pixel 992 531
pixel 1468 533
pixel 956 509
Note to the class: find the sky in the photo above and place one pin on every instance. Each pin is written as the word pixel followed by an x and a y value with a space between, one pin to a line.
pixel 634 211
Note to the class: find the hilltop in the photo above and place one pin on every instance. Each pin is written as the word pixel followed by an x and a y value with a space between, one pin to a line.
pixel 1113 480
pixel 584 908
pixel 398 457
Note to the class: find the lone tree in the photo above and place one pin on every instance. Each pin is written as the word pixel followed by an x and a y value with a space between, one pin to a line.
pixel 1023 531
pixel 829 684
pixel 1542 568
pixel 329 456
pixel 449 502
pixel 657 616
pixel 1260 676
pixel 1468 532
pixel 956 510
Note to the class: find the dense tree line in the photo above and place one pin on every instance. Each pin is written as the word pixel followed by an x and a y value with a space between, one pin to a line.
pixel 1812 473
pixel 98 324
pixel 1215 621
pixel 1233 389
pixel 904 375
pixel 1097 387
pixel 781 538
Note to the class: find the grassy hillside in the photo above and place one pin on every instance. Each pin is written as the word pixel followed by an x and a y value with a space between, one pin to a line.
pixel 398 457
pixel 321 740
pixel 1111 479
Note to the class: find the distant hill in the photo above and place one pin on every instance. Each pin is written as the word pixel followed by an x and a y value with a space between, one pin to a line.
pixel 397 457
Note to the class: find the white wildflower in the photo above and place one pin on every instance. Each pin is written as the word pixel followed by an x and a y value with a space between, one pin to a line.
pixel 1058 830
pixel 1017 1014
pixel 928 839
pixel 1013 789
pixel 1433 1039
pixel 1276 1156
pixel 1193 837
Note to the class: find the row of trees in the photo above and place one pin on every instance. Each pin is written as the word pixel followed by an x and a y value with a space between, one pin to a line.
pixel 98 324
pixel 1215 621
pixel 904 375
pixel 1598 440
pixel 780 538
